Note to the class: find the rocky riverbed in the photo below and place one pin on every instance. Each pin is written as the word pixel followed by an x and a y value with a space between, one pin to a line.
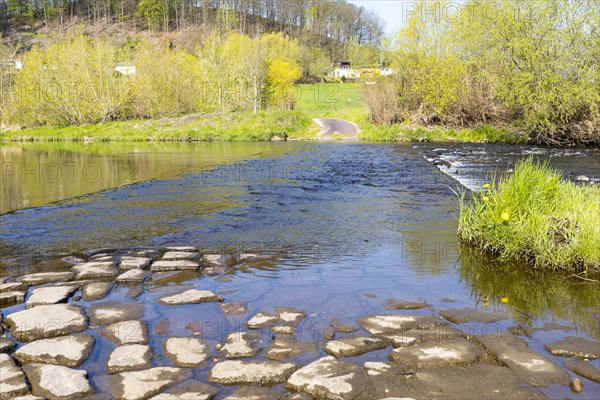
pixel 143 324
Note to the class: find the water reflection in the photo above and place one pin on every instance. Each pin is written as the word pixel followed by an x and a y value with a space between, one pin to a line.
pixel 529 294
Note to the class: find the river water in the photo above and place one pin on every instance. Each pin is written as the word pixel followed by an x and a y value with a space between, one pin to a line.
pixel 344 226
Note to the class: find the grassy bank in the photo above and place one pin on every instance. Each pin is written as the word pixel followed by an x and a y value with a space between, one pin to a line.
pixel 535 216
pixel 235 126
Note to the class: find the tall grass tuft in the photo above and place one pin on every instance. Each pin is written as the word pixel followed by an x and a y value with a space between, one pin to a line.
pixel 535 215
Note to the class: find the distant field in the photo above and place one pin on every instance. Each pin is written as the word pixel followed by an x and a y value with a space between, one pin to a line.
pixel 341 100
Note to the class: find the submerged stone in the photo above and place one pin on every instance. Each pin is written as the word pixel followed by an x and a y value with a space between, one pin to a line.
pixel 234 372
pixel 262 320
pixel 354 346
pixel 572 346
pixel 57 382
pixel 414 336
pixel 50 295
pixel 69 351
pixel 437 354
pixel 186 352
pixel 12 379
pixel 460 316
pixel 585 369
pixel 127 332
pixel 134 385
pixel 255 393
pixel 289 315
pixel 6 345
pixel 234 308
pixel 281 349
pixel 115 311
pixel 95 269
pixel 42 278
pixel 172 265
pixel 96 290
pixel 192 296
pixel 130 357
pixel 531 366
pixel 241 345
pixel 47 321
pixel 329 378
pixel 392 304
pixel 218 260
pixel 387 324
pixel 190 389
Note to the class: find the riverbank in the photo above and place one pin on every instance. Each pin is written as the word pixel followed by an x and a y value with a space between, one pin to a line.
pixel 533 215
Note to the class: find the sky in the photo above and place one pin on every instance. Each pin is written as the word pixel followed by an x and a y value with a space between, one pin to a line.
pixel 389 10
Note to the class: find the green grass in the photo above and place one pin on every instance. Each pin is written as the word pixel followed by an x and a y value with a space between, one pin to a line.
pixel 236 126
pixel 333 100
pixel 404 133
pixel 534 215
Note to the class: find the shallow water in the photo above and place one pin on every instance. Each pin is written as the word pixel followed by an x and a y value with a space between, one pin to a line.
pixel 344 226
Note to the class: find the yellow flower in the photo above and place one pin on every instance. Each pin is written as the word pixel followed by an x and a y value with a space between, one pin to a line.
pixel 504 299
pixel 505 216
pixel 486 199
pixel 485 303
pixel 486 186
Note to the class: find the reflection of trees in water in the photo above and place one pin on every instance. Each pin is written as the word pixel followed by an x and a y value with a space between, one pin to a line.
pixel 532 293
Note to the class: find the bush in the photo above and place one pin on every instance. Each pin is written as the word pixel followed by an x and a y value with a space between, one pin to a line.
pixel 535 216
pixel 382 102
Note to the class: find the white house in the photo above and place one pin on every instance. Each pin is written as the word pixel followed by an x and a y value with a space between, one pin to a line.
pixel 126 69
pixel 386 72
pixel 12 63
pixel 344 70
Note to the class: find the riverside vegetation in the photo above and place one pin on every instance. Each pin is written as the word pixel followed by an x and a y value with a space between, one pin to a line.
pixel 535 216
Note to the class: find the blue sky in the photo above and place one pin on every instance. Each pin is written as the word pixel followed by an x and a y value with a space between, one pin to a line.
pixel 390 11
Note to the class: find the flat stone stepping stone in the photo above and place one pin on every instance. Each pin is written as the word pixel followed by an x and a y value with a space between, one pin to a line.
pixel 190 389
pixel 47 321
pixel 6 345
pixel 393 304
pixel 148 253
pixel 186 352
pixel 585 369
pixel 572 346
pixel 235 372
pixel 96 290
pixel 386 324
pixel 11 298
pixel 241 345
pixel 192 296
pixel 115 311
pixel 181 248
pixel 411 337
pixel 463 315
pixel 57 381
pixel 133 275
pixel 176 277
pixel 134 385
pixel 289 315
pixel 174 265
pixel 91 270
pixel 262 320
pixel 354 346
pixel 438 354
pixel 329 378
pixel 50 295
pixel 13 287
pixel 42 278
pixel 281 349
pixel 531 366
pixel 127 332
pixel 180 255
pixel 12 379
pixel 234 308
pixel 128 263
pixel 130 357
pixel 69 351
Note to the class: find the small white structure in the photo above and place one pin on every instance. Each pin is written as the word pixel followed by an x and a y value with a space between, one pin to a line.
pixel 12 63
pixel 344 70
pixel 386 72
pixel 126 69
